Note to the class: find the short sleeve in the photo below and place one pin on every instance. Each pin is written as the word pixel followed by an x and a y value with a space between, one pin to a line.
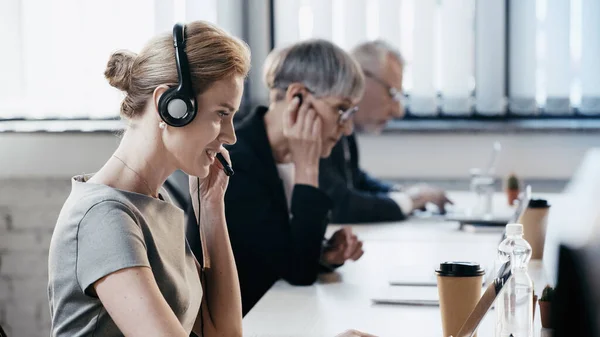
pixel 108 240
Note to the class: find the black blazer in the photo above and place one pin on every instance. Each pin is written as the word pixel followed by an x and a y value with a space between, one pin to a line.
pixel 268 243
pixel 357 196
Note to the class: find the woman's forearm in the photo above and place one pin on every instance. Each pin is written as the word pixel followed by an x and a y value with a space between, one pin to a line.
pixel 222 305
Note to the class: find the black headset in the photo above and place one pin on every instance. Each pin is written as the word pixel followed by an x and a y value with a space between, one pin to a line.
pixel 177 106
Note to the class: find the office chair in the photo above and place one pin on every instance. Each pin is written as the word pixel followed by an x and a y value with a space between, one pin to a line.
pixel 576 304
pixel 2 333
pixel 177 185
pixel 178 188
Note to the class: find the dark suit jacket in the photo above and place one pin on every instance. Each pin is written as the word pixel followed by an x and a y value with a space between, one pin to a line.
pixel 269 243
pixel 357 196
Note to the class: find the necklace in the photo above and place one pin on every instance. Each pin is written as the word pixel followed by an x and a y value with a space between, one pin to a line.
pixel 137 174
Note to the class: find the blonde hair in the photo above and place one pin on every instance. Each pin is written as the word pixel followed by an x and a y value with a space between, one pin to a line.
pixel 212 53
pixel 324 68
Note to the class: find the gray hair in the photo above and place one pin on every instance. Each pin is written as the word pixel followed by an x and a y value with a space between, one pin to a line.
pixel 372 55
pixel 324 68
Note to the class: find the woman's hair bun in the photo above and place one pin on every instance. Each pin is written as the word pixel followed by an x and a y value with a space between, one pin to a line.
pixel 118 69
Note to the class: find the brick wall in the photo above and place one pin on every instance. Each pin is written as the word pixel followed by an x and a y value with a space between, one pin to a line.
pixel 28 213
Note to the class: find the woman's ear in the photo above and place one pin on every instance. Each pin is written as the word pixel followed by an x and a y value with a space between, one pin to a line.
pixel 295 89
pixel 159 91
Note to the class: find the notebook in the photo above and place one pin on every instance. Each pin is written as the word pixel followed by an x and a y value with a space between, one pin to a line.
pixel 421 296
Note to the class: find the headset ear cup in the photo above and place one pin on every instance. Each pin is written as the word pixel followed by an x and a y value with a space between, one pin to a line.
pixel 177 106
pixel 163 103
pixel 176 109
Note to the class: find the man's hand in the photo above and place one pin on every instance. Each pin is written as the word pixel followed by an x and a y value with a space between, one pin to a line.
pixel 342 246
pixel 422 194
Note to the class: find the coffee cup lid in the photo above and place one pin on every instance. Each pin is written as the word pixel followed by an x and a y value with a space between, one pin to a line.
pixel 538 203
pixel 460 269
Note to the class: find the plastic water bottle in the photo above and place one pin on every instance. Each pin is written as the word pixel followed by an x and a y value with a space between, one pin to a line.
pixel 514 306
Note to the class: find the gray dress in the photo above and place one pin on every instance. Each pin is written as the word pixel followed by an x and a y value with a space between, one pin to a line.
pixel 101 230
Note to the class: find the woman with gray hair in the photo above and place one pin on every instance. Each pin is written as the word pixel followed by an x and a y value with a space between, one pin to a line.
pixel 275 212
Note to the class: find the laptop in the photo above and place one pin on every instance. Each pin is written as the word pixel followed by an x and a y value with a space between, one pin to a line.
pixel 494 220
pixel 482 220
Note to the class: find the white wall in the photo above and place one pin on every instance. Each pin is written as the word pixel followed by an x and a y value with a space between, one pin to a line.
pixel 392 156
pixel 426 155
pixel 28 212
pixel 27 155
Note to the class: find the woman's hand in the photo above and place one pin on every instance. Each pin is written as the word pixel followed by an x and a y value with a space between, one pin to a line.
pixel 221 313
pixel 342 246
pixel 211 189
pixel 302 128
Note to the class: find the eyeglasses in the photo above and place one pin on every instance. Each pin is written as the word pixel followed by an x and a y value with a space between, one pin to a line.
pixel 394 93
pixel 345 115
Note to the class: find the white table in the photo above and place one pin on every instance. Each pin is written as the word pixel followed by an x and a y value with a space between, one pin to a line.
pixel 342 300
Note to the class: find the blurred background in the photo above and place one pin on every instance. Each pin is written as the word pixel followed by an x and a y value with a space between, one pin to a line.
pixel 525 73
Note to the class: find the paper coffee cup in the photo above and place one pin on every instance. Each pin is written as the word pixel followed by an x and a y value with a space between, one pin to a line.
pixel 459 288
pixel 535 220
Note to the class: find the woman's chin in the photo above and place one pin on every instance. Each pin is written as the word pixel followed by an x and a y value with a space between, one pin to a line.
pixel 202 171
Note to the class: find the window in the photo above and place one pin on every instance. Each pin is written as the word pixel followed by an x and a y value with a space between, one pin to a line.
pixel 555 57
pixel 55 51
pixel 461 60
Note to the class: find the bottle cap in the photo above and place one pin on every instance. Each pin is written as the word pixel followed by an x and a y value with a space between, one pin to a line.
pixel 514 229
